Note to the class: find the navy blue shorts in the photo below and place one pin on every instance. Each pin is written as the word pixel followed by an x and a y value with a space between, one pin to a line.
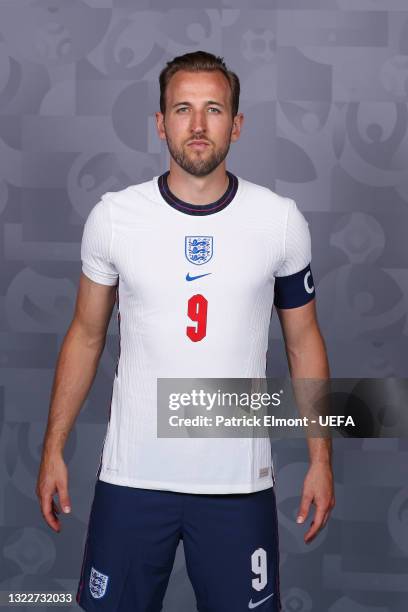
pixel 231 548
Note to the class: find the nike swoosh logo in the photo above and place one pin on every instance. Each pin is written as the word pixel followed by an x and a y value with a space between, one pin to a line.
pixel 190 278
pixel 253 605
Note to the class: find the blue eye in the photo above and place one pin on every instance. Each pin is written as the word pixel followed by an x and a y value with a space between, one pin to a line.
pixel 185 108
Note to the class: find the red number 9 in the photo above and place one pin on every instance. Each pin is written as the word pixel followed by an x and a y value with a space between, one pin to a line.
pixel 197 311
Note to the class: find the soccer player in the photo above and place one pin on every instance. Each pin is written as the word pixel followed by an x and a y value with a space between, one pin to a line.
pixel 194 259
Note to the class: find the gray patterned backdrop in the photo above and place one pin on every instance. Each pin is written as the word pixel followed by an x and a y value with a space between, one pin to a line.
pixel 324 92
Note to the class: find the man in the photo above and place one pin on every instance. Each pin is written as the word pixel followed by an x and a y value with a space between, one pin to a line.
pixel 194 259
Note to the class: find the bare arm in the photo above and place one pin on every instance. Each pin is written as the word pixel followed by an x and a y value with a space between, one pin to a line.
pixel 75 371
pixel 307 358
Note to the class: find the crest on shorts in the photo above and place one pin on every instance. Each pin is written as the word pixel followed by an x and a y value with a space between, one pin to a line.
pixel 199 249
pixel 98 583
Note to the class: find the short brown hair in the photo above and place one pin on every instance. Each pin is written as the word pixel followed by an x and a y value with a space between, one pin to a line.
pixel 195 62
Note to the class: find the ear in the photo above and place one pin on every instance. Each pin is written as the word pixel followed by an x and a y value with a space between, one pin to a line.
pixel 237 126
pixel 160 125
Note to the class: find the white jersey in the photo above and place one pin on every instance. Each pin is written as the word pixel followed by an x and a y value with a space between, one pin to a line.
pixel 162 253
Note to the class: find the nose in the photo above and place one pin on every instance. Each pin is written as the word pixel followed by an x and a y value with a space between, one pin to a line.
pixel 198 121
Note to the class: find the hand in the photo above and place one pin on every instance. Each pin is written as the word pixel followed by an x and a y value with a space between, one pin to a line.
pixel 318 488
pixel 53 478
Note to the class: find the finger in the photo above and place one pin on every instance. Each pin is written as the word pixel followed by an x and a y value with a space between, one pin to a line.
pixel 316 523
pixel 326 518
pixel 304 508
pixel 49 513
pixel 63 497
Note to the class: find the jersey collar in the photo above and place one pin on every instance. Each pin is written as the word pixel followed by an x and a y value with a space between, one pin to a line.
pixel 194 209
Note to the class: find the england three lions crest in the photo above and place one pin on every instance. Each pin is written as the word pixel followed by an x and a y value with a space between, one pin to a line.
pixel 199 249
pixel 98 583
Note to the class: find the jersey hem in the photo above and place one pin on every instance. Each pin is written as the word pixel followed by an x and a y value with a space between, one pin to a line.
pixel 98 277
pixel 174 486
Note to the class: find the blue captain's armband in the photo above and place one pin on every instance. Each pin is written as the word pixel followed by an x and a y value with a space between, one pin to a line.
pixel 294 290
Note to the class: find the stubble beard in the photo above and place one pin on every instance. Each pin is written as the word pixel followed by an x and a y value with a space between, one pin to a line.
pixel 196 163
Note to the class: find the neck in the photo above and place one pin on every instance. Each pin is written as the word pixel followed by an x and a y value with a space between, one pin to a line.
pixel 198 189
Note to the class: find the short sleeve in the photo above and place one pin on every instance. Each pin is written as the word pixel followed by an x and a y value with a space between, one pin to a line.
pixel 297 244
pixel 96 245
pixel 294 285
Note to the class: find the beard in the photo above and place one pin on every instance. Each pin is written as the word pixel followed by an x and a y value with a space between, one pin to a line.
pixel 198 163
